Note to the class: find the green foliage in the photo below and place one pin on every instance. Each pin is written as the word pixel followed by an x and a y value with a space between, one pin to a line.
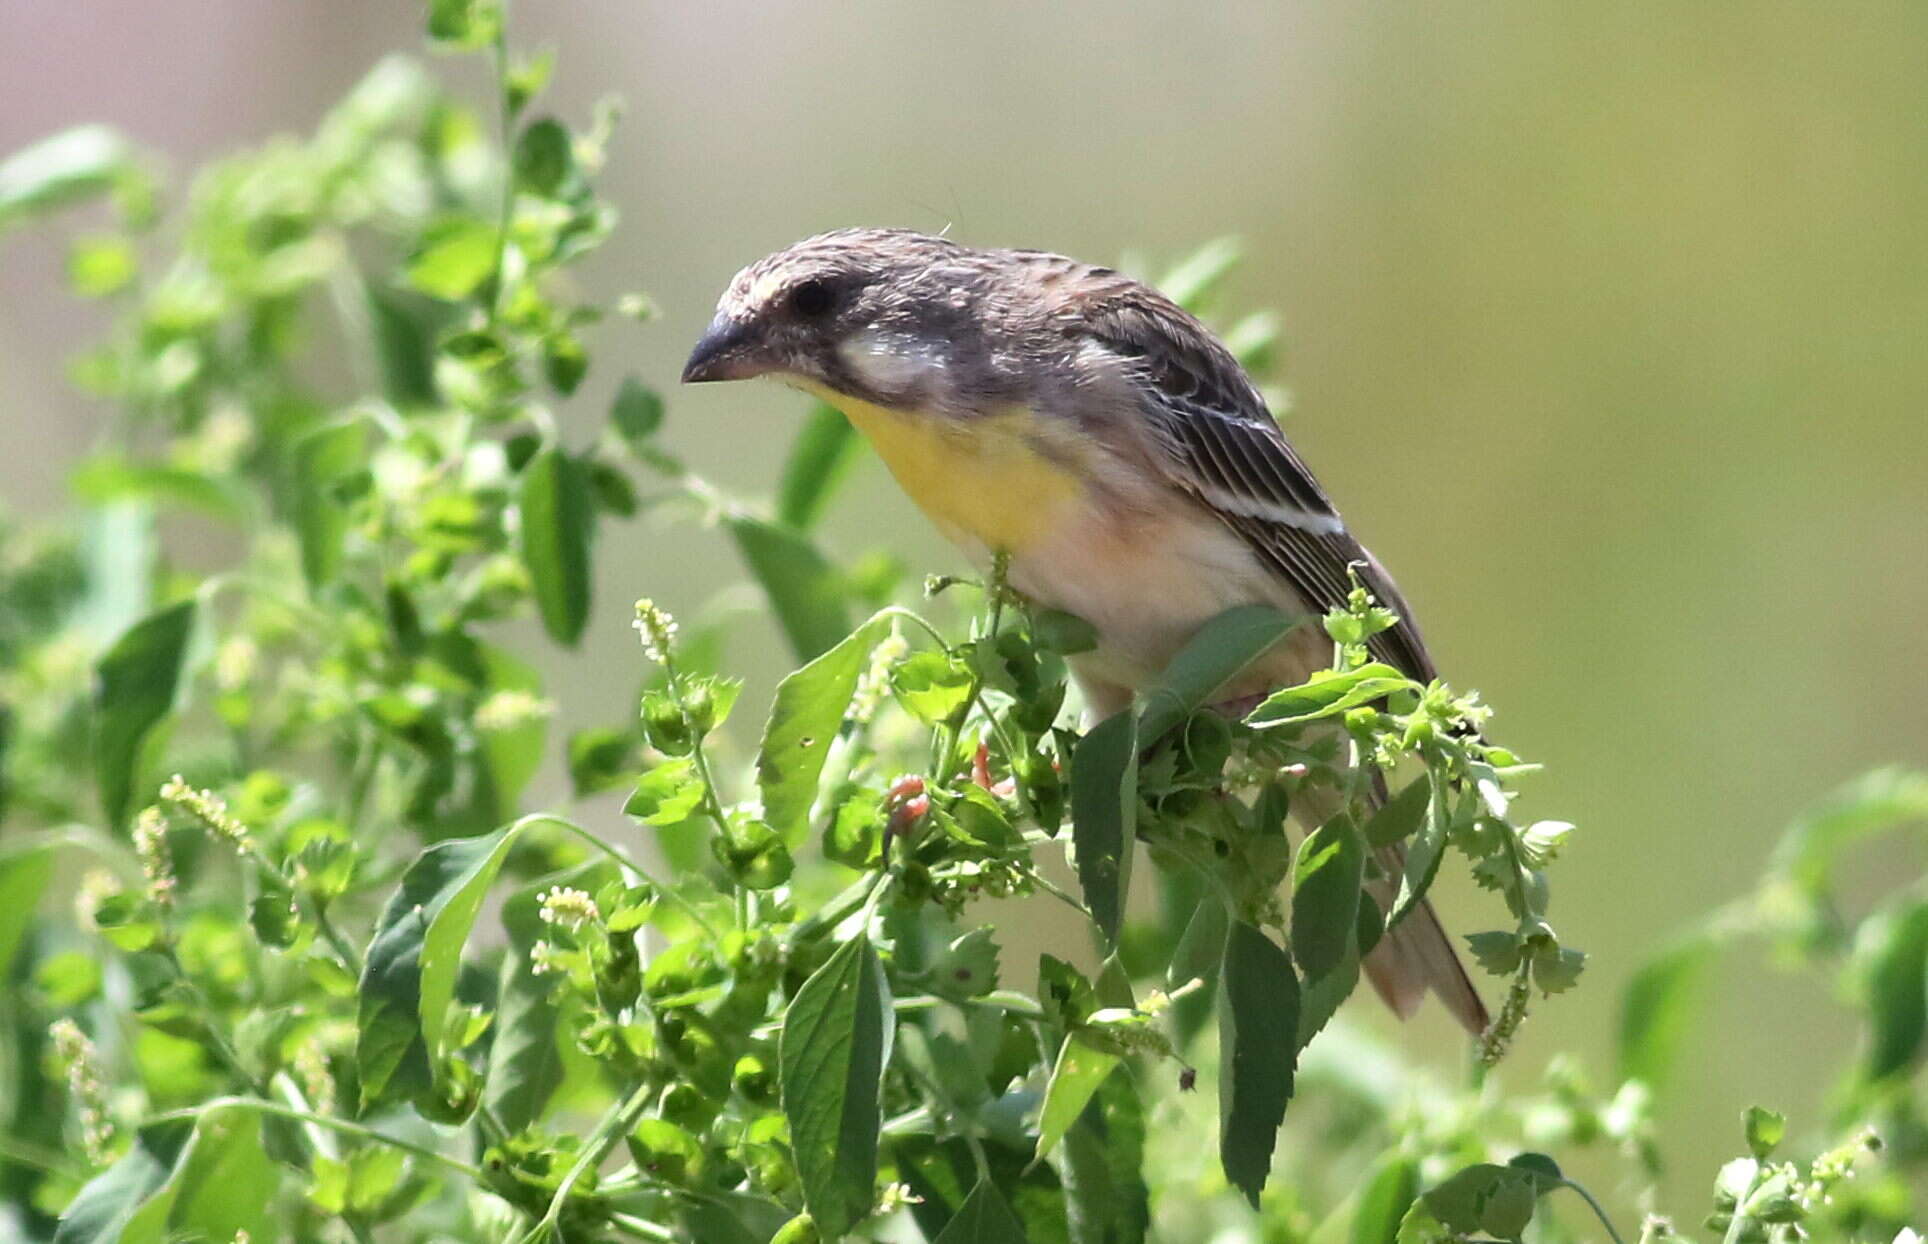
pixel 345 983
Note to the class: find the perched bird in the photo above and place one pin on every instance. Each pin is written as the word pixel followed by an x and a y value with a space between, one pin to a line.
pixel 1099 437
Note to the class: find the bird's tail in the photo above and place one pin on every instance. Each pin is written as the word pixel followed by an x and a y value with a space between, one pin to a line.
pixel 1416 956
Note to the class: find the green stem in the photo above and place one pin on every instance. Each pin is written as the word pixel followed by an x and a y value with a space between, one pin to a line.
pixel 1598 1212
pixel 321 1120
pixel 613 1126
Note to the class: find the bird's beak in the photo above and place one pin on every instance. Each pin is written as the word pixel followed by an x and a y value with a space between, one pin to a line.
pixel 724 353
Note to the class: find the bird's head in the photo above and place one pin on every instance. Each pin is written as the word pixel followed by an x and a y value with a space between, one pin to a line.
pixel 881 315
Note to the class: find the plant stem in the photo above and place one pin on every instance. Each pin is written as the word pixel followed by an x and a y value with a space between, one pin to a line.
pixel 321 1120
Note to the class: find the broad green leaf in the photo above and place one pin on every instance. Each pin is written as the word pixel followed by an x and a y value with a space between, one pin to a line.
pixel 61 169
pixel 318 462
pixel 225 1180
pixel 1422 856
pixel 134 689
pixel 1891 953
pixel 408 978
pixel 1258 1028
pixel 465 24
pixel 805 591
pixel 1325 895
pixel 1383 1200
pixel 558 520
pixel 820 456
pixel 525 1058
pixel 1101 1161
pixel 943 1174
pixel 1104 815
pixel 513 722
pixel 831 1059
pixel 1328 694
pixel 667 793
pixel 128 1203
pixel 1498 1200
pixel 805 717
pixel 1401 816
pixel 1874 803
pixel 24 874
pixel 1657 1007
pixel 109 477
pixel 544 161
pixel 1201 946
pixel 455 256
pixel 932 686
pixel 1080 1069
pixel 1765 1131
pixel 637 412
pixel 985 1218
pixel 404 345
pixel 1213 657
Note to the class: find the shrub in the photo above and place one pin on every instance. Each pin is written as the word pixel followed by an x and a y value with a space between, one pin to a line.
pixel 331 979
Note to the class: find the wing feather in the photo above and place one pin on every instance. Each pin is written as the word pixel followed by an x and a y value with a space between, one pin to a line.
pixel 1215 439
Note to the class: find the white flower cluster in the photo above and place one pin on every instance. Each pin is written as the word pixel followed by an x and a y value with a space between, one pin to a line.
pixel 656 627
pixel 157 863
pixel 208 810
pixel 84 1083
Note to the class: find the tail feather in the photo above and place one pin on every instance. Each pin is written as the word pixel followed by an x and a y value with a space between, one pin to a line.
pixel 1416 956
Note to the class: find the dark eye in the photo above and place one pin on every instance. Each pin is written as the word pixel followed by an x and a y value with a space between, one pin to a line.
pixel 813 298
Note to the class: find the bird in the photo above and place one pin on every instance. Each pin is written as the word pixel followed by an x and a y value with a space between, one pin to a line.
pixel 1105 445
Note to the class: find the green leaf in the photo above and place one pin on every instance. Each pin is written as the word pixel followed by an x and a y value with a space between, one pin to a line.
pixel 130 1200
pixel 1765 1131
pixel 932 686
pixel 319 461
pixel 558 521
pixel 1328 694
pixel 525 1060
pixel 1657 1007
pixel 223 1183
pixel 820 456
pixel 1891 953
pixel 1214 655
pixel 1201 946
pixel 1080 1069
pixel 637 412
pixel 105 478
pixel 1498 1200
pixel 807 713
pixel 1258 1028
pixel 408 978
pixel 1325 895
pixel 61 169
pixel 544 161
pixel 601 758
pixel 24 874
pixel 831 1059
pixel 134 689
pixel 467 25
pixel 204 1179
pixel 1872 804
pixel 404 345
pixel 1423 855
pixel 984 1218
pixel 1383 1201
pixel 805 591
pixel 456 255
pixel 667 793
pixel 1104 815
pixel 1401 816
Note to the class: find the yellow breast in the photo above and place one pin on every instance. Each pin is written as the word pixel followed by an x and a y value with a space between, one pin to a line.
pixel 988 478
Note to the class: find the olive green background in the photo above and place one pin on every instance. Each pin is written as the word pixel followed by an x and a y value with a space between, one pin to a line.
pixel 1607 326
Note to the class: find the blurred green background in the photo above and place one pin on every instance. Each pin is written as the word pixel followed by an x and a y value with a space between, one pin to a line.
pixel 1607 326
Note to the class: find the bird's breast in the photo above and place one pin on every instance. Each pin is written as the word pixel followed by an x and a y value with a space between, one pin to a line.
pixel 1003 481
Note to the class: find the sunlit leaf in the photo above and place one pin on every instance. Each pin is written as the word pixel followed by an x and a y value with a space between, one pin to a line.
pixel 61 169
pixel 1080 1069
pixel 835 1045
pixel 820 456
pixel 558 521
pixel 1258 1026
pixel 804 719
pixel 806 592
pixel 984 1218
pixel 134 689
pixel 1214 655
